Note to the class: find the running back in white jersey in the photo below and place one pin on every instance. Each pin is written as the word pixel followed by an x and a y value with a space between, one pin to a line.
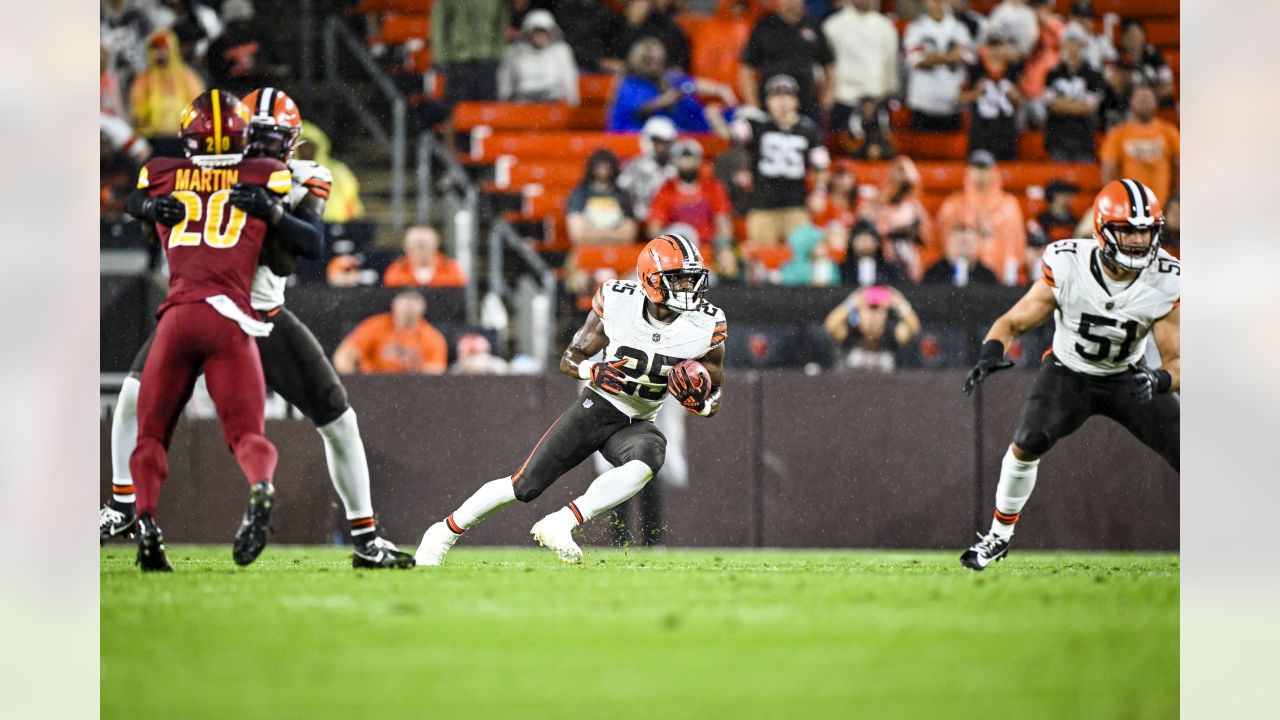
pixel 309 177
pixel 650 347
pixel 1102 330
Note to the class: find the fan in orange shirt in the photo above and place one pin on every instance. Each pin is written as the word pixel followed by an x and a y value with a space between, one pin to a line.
pixel 400 341
pixel 423 265
pixel 1145 148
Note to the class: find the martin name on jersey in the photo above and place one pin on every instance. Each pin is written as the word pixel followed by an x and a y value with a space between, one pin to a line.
pixel 309 177
pixel 1102 324
pixel 651 348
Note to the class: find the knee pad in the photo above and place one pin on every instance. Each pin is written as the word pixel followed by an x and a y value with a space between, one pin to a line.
pixel 651 451
pixel 526 491
pixel 1036 442
pixel 331 403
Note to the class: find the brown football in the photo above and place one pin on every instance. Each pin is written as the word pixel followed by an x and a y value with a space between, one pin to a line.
pixel 698 375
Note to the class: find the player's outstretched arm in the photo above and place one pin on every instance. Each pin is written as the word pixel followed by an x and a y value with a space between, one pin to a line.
pixel 1028 313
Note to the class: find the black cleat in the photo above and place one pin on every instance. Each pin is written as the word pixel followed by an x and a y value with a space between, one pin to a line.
pixel 115 518
pixel 151 555
pixel 380 553
pixel 987 550
pixel 251 538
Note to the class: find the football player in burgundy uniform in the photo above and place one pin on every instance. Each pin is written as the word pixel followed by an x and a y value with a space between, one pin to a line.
pixel 212 211
pixel 646 331
pixel 293 362
pixel 1110 294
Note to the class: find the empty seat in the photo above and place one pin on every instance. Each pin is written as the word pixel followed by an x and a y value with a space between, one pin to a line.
pixel 526 116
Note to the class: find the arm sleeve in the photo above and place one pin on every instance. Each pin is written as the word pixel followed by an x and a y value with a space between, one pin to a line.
pixel 303 231
pixel 133 204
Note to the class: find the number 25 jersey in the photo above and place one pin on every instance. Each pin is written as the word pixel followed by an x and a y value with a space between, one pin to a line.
pixel 651 348
pixel 1102 325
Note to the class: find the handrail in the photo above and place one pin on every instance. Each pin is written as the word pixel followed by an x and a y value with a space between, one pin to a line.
pixel 334 32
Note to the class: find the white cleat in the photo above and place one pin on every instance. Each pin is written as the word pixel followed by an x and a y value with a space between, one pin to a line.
pixel 555 531
pixel 436 542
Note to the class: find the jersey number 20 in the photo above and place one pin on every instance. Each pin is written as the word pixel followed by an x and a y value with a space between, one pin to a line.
pixel 1088 322
pixel 215 235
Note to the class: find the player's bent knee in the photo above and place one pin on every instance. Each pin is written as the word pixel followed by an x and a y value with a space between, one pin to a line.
pixel 526 491
pixel 330 406
pixel 1030 445
pixel 651 451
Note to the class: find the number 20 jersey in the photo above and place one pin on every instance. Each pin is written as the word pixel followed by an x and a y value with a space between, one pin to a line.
pixel 1101 329
pixel 650 348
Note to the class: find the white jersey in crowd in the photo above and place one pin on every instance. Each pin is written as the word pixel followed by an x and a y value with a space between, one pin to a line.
pixel 1102 324
pixel 308 177
pixel 651 348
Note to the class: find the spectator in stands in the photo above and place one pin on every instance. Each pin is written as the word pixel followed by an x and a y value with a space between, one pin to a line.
pixel 810 264
pixel 938 51
pixel 122 34
pixel 110 94
pixel 196 25
pixel 468 38
pixel 1016 21
pixel 973 21
pixel 1073 93
pixel 865 45
pixel 642 19
pixel 343 271
pixel 475 357
pixel 865 263
pixel 1098 52
pixel 643 174
pixel 1058 221
pixel 837 202
pixel 1114 108
pixel 991 90
pixel 1042 59
pixel 538 66
pixel 788 42
pixel 865 135
pixel 244 57
pixel 344 203
pixel 1144 61
pixel 993 213
pixel 650 89
pixel 877 334
pixel 161 92
pixel 901 219
pixel 401 341
pixel 587 27
pixel 1144 148
pixel 423 265
pixel 961 266
pixel 698 199
pixel 598 211
pixel 784 147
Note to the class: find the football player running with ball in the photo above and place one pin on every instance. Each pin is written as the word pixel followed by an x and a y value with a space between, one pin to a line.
pixel 1109 294
pixel 659 337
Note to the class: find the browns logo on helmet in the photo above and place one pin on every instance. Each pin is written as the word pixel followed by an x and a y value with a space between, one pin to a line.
pixel 672 273
pixel 274 125
pixel 214 128
pixel 1121 207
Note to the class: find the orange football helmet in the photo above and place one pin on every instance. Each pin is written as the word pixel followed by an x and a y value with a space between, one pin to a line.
pixel 213 128
pixel 672 273
pixel 275 124
pixel 1127 205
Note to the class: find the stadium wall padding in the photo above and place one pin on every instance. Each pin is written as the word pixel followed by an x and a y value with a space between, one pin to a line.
pixel 847 460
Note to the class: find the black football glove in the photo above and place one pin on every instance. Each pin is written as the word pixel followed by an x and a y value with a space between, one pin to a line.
pixel 255 200
pixel 1148 382
pixel 608 376
pixel 990 359
pixel 164 209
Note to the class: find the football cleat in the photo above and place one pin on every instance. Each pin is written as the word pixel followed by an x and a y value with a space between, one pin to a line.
pixel 115 518
pixel 988 549
pixel 555 531
pixel 151 555
pixel 380 553
pixel 436 542
pixel 251 538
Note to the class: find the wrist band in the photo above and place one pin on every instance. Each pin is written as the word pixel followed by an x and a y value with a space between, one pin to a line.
pixel 584 370
pixel 1164 381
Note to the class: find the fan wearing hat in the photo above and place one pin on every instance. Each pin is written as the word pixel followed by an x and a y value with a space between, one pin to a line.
pixel 784 147
pixel 994 214
pixel 697 199
pixel 643 174
pixel 539 65
pixel 1072 94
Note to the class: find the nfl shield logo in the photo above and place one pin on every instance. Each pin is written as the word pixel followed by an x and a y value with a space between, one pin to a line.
pixel 587 403
pixel 657 337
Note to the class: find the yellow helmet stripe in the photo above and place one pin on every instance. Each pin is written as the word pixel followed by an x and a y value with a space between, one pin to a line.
pixel 217 122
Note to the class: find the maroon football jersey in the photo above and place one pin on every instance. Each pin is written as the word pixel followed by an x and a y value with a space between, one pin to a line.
pixel 214 251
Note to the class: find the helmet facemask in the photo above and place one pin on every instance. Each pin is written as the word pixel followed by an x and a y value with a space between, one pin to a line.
pixel 271 140
pixel 1128 256
pixel 683 289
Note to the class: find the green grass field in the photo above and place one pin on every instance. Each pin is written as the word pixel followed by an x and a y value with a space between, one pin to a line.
pixel 501 633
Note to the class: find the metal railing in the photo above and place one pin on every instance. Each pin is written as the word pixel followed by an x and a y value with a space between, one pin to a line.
pixel 335 34
pixel 534 303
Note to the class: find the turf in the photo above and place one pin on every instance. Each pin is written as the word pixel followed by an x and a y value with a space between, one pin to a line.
pixel 501 633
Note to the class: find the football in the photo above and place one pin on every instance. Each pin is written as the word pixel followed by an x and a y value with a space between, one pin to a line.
pixel 701 379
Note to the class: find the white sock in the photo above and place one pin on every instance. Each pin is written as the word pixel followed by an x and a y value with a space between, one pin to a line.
pixel 124 436
pixel 489 499
pixel 611 489
pixel 348 468
pixel 1017 480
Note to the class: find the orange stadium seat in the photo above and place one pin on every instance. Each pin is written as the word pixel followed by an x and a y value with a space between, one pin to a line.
pixel 421 7
pixel 771 258
pixel 618 258
pixel 1163 33
pixel 1137 8
pixel 397 29
pixel 715 46
pixel 932 146
pixel 569 145
pixel 596 89
pixel 548 174
pixel 526 116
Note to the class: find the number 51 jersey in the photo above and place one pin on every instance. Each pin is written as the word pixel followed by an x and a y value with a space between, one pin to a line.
pixel 1102 325
pixel 651 348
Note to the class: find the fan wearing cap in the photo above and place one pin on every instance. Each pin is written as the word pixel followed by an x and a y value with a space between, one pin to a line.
pixel 784 147
pixel 995 214
pixel 644 335
pixel 159 93
pixel 1073 91
pixel 642 175
pixel 539 65
pixel 1108 296
pixel 697 199
pixel 865 332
